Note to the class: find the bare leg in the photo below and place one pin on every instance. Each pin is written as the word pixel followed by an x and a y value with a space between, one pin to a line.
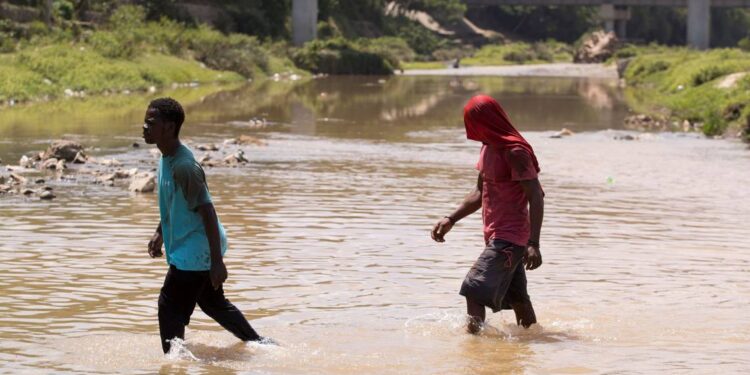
pixel 525 315
pixel 476 316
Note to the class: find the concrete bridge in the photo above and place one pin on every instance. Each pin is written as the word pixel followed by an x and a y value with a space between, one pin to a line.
pixel 614 14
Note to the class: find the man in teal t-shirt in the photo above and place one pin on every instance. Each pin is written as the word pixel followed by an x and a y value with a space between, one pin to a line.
pixel 191 233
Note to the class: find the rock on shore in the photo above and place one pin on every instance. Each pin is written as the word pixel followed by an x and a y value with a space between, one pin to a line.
pixel 143 183
pixel 66 150
pixel 597 48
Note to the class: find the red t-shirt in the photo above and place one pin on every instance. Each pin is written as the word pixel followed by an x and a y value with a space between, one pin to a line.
pixel 504 204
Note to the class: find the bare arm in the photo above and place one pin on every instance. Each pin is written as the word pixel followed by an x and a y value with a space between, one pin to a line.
pixel 218 272
pixel 471 203
pixel 535 195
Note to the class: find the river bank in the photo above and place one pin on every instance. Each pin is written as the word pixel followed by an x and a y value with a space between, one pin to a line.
pixel 535 70
pixel 678 87
pixel 128 54
pixel 667 89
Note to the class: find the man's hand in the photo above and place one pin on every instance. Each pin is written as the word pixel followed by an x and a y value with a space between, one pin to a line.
pixel 533 257
pixel 154 246
pixel 441 229
pixel 218 274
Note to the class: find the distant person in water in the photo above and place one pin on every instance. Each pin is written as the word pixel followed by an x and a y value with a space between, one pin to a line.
pixel 456 63
pixel 191 233
pixel 512 202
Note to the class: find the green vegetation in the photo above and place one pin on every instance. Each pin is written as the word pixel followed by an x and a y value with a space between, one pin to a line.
pixel 58 117
pixel 537 23
pixel 521 53
pixel 424 65
pixel 126 53
pixel 97 46
pixel 711 88
pixel 342 56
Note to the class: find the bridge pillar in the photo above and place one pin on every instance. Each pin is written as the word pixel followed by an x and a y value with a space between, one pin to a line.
pixel 304 21
pixel 615 18
pixel 607 15
pixel 699 23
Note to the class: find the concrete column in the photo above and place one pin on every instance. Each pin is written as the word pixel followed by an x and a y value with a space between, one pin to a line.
pixel 622 15
pixel 621 29
pixel 607 15
pixel 304 21
pixel 699 23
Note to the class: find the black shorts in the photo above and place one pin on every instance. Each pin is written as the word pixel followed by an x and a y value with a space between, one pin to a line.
pixel 497 279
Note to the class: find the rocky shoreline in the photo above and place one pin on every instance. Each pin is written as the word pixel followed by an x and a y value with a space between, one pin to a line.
pixel 69 161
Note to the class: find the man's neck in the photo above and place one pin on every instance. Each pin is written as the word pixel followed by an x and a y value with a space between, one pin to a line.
pixel 169 148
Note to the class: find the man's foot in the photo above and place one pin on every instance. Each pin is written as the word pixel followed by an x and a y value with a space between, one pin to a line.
pixel 525 315
pixel 265 341
pixel 474 325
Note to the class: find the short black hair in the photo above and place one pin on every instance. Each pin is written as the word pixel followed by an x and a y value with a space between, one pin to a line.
pixel 169 110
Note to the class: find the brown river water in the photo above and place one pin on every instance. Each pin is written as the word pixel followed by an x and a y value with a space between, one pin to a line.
pixel 646 243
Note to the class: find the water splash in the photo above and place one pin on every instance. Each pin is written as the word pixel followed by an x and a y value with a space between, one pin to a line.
pixel 178 351
pixel 435 323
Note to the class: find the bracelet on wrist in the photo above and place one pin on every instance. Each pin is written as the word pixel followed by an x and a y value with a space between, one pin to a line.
pixel 533 243
pixel 451 219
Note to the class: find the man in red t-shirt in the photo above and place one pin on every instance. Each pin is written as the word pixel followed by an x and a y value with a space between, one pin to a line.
pixel 512 202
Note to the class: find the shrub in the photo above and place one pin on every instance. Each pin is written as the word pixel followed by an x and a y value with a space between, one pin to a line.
pixel 237 52
pixel 744 44
pixel 451 53
pixel 110 45
pixel 648 67
pixel 707 74
pixel 22 84
pixel 396 49
pixel 340 56
pixel 423 41
pixel 519 56
pixel 625 52
pixel 521 53
pixel 63 9
pixel 8 34
pixel 80 69
pixel 328 30
pixel 124 34
pixel 168 36
pixel 714 124
pixel 7 45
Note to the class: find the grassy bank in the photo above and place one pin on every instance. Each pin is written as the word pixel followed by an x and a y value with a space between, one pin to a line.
pixel 127 54
pixel 710 89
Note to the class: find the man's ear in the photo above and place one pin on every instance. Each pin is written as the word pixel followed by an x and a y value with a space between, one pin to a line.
pixel 170 127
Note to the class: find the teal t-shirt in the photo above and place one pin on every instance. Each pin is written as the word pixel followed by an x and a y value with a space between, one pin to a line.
pixel 182 189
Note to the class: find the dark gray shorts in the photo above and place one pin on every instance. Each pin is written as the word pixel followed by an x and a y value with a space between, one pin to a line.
pixel 497 279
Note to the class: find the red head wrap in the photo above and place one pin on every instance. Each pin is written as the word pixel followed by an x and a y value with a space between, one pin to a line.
pixel 487 122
